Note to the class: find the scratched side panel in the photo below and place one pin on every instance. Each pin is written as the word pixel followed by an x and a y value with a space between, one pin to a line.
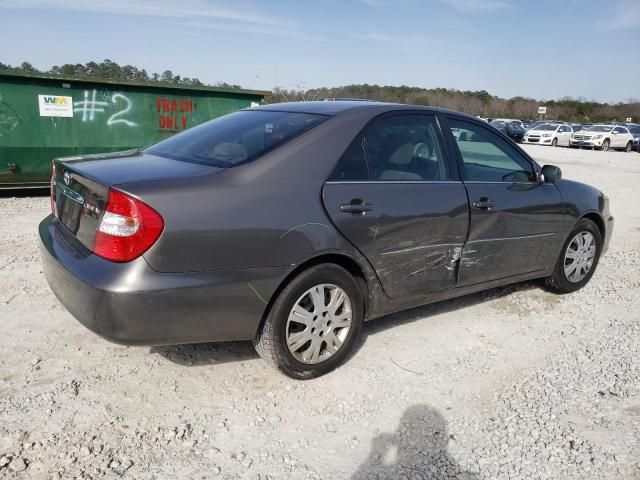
pixel 412 236
pixel 523 233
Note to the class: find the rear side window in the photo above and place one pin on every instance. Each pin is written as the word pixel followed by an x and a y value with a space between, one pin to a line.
pixel 352 167
pixel 405 148
pixel 399 148
pixel 236 138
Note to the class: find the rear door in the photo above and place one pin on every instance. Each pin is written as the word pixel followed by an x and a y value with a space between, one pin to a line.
pixel 398 199
pixel 514 220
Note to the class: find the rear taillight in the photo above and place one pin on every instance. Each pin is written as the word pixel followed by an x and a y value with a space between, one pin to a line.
pixel 128 228
pixel 53 190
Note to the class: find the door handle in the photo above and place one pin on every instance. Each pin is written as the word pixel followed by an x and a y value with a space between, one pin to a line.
pixel 484 204
pixel 356 206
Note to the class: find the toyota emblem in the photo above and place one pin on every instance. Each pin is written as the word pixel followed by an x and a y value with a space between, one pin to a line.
pixel 67 178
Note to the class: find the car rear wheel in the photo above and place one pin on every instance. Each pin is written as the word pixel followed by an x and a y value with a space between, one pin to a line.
pixel 554 142
pixel 578 259
pixel 605 146
pixel 313 323
pixel 629 147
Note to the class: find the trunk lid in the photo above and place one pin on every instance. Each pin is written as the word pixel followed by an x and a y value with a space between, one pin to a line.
pixel 80 185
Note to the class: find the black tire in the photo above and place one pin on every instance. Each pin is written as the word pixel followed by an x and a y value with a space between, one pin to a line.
pixel 270 342
pixel 554 142
pixel 629 147
pixel 557 282
pixel 605 146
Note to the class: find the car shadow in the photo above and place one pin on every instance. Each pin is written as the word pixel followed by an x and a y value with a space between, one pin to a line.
pixel 411 315
pixel 417 449
pixel 199 354
pixel 218 353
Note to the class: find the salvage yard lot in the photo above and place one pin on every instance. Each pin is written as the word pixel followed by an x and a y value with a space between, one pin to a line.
pixel 510 383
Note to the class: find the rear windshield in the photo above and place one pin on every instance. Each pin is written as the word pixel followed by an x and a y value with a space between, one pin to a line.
pixel 236 138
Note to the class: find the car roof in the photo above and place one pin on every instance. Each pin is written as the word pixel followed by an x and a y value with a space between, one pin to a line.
pixel 334 107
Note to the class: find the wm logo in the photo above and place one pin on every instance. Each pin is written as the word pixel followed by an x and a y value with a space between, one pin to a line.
pixel 56 100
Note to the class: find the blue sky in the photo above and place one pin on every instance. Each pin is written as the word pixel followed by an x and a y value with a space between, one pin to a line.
pixel 543 49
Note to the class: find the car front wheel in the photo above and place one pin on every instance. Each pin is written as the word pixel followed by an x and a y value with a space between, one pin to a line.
pixel 629 147
pixel 578 259
pixel 605 146
pixel 313 323
pixel 554 142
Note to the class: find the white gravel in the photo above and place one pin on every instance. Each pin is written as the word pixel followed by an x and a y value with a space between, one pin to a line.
pixel 510 383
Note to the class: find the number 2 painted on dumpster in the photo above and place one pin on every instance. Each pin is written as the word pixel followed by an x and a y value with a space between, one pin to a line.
pixel 113 119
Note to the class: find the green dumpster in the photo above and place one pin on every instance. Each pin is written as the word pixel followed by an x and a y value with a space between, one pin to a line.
pixel 43 117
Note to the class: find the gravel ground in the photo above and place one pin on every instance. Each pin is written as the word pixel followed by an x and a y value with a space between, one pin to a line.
pixel 510 383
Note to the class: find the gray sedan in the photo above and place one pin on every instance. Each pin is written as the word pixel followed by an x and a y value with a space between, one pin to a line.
pixel 292 224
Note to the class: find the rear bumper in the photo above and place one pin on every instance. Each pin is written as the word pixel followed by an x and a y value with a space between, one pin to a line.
pixel 132 304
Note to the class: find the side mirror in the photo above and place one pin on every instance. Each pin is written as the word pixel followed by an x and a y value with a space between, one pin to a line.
pixel 551 173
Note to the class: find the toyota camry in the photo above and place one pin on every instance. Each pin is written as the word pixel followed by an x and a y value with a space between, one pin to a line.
pixel 292 224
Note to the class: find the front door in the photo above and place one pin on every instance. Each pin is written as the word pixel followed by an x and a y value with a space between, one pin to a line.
pixel 515 221
pixel 398 199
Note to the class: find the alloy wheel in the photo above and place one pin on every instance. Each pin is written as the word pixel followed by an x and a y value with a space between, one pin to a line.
pixel 579 256
pixel 319 323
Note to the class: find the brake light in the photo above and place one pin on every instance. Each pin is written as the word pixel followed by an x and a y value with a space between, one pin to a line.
pixel 128 228
pixel 54 210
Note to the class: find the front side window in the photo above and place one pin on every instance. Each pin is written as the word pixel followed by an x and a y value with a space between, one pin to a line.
pixel 487 157
pixel 236 138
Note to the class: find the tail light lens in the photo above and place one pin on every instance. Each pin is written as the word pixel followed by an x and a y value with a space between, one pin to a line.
pixel 53 190
pixel 128 228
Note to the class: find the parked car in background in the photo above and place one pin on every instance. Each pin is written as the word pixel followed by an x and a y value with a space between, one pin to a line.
pixel 290 224
pixel 553 134
pixel 512 129
pixel 535 124
pixel 634 130
pixel 508 120
pixel 604 137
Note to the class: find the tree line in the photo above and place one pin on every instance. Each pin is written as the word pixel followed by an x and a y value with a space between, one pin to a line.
pixel 480 103
pixel 108 70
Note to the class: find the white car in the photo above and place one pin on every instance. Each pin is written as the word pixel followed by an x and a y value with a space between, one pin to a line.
pixel 549 134
pixel 604 137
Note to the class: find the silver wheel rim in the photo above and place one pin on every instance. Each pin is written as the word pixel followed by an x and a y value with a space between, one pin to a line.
pixel 579 257
pixel 319 323
pixel 605 146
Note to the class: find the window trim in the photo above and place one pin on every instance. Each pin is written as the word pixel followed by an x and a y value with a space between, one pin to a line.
pixel 453 171
pixel 506 141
